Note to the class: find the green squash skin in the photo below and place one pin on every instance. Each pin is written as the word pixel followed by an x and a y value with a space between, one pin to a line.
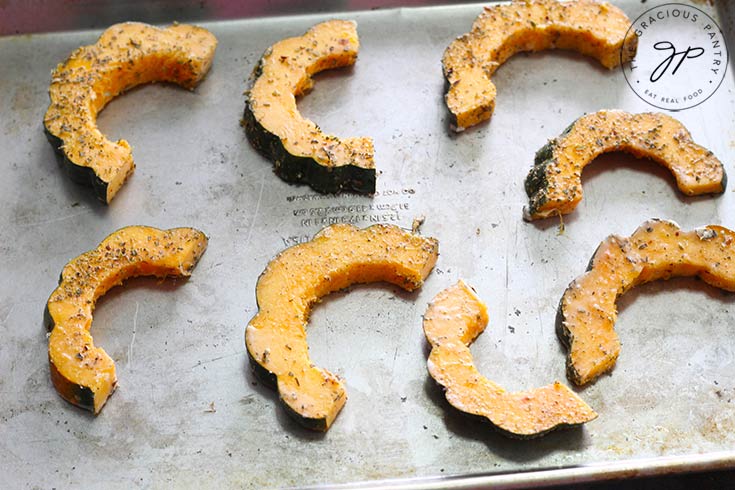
pixel 269 379
pixel 724 179
pixel 264 376
pixel 319 425
pixel 511 435
pixel 48 320
pixel 452 116
pixel 80 396
pixel 562 333
pixel 565 337
pixel 536 182
pixel 304 170
pixel 78 173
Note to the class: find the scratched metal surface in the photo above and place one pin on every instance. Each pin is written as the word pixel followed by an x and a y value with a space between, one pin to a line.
pixel 188 412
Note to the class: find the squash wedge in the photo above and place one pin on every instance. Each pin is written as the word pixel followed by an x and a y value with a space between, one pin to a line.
pixel 124 56
pixel 338 256
pixel 592 28
pixel 554 184
pixel 297 147
pixel 454 319
pixel 83 374
pixel 656 250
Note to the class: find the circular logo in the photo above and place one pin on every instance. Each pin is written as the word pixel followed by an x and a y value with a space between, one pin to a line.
pixel 681 58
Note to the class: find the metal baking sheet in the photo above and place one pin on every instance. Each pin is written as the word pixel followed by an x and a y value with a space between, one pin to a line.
pixel 188 412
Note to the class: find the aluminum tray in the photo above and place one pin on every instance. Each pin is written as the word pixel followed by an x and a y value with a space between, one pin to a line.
pixel 188 412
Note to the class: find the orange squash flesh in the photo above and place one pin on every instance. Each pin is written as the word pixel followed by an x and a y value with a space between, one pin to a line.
pixel 454 319
pixel 554 185
pixel 124 56
pixel 593 28
pixel 338 256
pixel 299 149
pixel 656 250
pixel 82 373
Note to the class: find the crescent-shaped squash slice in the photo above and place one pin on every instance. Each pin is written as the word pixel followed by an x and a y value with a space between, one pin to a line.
pixel 82 373
pixel 126 55
pixel 589 27
pixel 554 185
pixel 299 149
pixel 656 250
pixel 454 319
pixel 338 256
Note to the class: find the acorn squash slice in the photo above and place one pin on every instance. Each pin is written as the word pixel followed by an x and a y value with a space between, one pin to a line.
pixel 586 26
pixel 83 374
pixel 656 250
pixel 554 185
pixel 298 148
pixel 338 256
pixel 453 320
pixel 124 56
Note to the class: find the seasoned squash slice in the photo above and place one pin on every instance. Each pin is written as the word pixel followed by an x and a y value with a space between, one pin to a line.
pixel 338 256
pixel 593 28
pixel 554 185
pixel 299 149
pixel 454 319
pixel 126 55
pixel 82 373
pixel 656 250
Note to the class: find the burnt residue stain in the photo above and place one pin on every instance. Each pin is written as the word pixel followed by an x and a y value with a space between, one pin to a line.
pixel 718 427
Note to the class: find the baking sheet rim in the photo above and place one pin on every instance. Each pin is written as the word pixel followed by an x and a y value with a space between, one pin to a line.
pixel 596 472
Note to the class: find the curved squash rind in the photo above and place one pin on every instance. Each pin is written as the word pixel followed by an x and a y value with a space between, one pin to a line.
pixel 453 320
pixel 554 184
pixel 593 28
pixel 77 173
pixel 79 395
pixel 270 380
pixel 658 249
pixel 124 56
pixel 84 374
pixel 337 257
pixel 295 169
pixel 280 75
